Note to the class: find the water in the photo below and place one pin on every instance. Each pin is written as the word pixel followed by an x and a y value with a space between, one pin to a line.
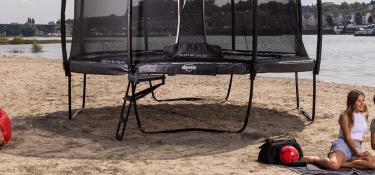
pixel 50 51
pixel 345 59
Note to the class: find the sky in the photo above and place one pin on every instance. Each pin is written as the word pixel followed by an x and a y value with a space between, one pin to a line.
pixel 44 11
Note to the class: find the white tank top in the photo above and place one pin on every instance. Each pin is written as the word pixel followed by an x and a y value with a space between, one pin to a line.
pixel 359 128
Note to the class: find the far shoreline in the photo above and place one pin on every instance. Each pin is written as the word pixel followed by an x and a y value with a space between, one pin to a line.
pixel 16 40
pixel 20 40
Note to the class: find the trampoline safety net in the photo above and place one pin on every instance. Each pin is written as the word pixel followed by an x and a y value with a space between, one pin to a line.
pixel 100 27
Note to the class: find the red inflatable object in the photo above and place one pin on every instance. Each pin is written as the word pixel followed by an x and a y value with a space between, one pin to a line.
pixel 5 126
pixel 288 154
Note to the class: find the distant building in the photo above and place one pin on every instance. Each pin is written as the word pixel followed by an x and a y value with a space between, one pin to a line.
pixel 328 3
pixel 12 29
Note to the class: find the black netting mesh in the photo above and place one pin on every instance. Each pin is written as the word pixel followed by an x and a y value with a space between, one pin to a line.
pixel 101 25
pixel 191 29
pixel 154 24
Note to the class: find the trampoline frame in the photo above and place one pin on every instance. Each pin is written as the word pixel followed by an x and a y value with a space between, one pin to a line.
pixel 135 78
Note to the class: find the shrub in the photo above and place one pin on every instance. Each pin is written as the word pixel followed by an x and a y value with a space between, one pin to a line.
pixel 17 40
pixel 3 39
pixel 36 47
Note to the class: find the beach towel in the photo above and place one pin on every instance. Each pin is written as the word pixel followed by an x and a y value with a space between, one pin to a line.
pixel 311 169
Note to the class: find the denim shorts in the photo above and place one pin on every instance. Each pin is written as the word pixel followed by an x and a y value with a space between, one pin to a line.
pixel 340 145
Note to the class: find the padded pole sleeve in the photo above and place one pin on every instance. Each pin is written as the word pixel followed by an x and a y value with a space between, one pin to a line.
pixel 319 40
pixel 233 25
pixel 63 39
pixel 130 36
pixel 255 40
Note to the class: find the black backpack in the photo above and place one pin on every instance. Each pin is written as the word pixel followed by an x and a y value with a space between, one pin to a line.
pixel 269 151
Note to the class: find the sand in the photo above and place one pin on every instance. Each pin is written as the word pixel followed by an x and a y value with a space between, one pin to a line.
pixel 34 94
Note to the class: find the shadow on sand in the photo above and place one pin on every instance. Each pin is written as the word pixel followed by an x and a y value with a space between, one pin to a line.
pixel 92 134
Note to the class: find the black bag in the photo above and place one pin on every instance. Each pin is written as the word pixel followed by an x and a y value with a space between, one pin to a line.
pixel 269 151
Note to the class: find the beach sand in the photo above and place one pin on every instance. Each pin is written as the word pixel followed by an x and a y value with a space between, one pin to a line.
pixel 34 94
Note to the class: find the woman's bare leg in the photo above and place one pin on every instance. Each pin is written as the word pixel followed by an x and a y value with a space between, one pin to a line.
pixel 333 162
pixel 309 159
pixel 366 163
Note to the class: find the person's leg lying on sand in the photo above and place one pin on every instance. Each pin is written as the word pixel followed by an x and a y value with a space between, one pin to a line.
pixel 367 162
pixel 333 162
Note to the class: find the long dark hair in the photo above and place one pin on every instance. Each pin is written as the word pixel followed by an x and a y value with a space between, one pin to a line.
pixel 350 104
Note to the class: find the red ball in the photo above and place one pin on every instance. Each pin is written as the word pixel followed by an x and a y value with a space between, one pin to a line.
pixel 288 154
pixel 5 126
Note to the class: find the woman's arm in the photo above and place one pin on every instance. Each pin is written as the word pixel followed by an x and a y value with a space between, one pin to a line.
pixel 372 130
pixel 373 140
pixel 344 125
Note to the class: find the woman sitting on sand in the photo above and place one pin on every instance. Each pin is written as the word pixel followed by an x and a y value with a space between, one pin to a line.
pixel 346 151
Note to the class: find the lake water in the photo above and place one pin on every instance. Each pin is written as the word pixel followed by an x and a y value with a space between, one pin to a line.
pixel 345 59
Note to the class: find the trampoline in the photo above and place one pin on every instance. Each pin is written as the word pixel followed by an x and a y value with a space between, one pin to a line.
pixel 146 39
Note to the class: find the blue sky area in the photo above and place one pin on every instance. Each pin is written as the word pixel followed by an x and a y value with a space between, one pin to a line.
pixel 44 11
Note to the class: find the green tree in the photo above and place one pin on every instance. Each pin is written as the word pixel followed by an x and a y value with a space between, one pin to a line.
pixel 344 5
pixel 330 21
pixel 370 20
pixel 359 8
pixel 29 28
pixel 358 18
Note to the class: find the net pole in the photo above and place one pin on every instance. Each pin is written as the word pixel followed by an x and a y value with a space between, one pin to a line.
pixel 255 40
pixel 130 38
pixel 319 40
pixel 63 39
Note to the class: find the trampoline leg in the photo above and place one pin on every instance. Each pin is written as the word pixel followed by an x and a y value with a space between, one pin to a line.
pixel 230 87
pixel 75 114
pixel 123 121
pixel 307 115
pixel 153 94
pixel 297 89
pixel 70 96
pixel 71 114
pixel 249 107
pixel 84 91
pixel 314 97
pixel 175 99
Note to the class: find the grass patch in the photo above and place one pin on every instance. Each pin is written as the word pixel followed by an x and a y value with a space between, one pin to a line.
pixel 3 39
pixel 36 47
pixel 17 40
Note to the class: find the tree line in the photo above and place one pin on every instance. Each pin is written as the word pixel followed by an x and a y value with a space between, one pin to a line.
pixel 341 14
